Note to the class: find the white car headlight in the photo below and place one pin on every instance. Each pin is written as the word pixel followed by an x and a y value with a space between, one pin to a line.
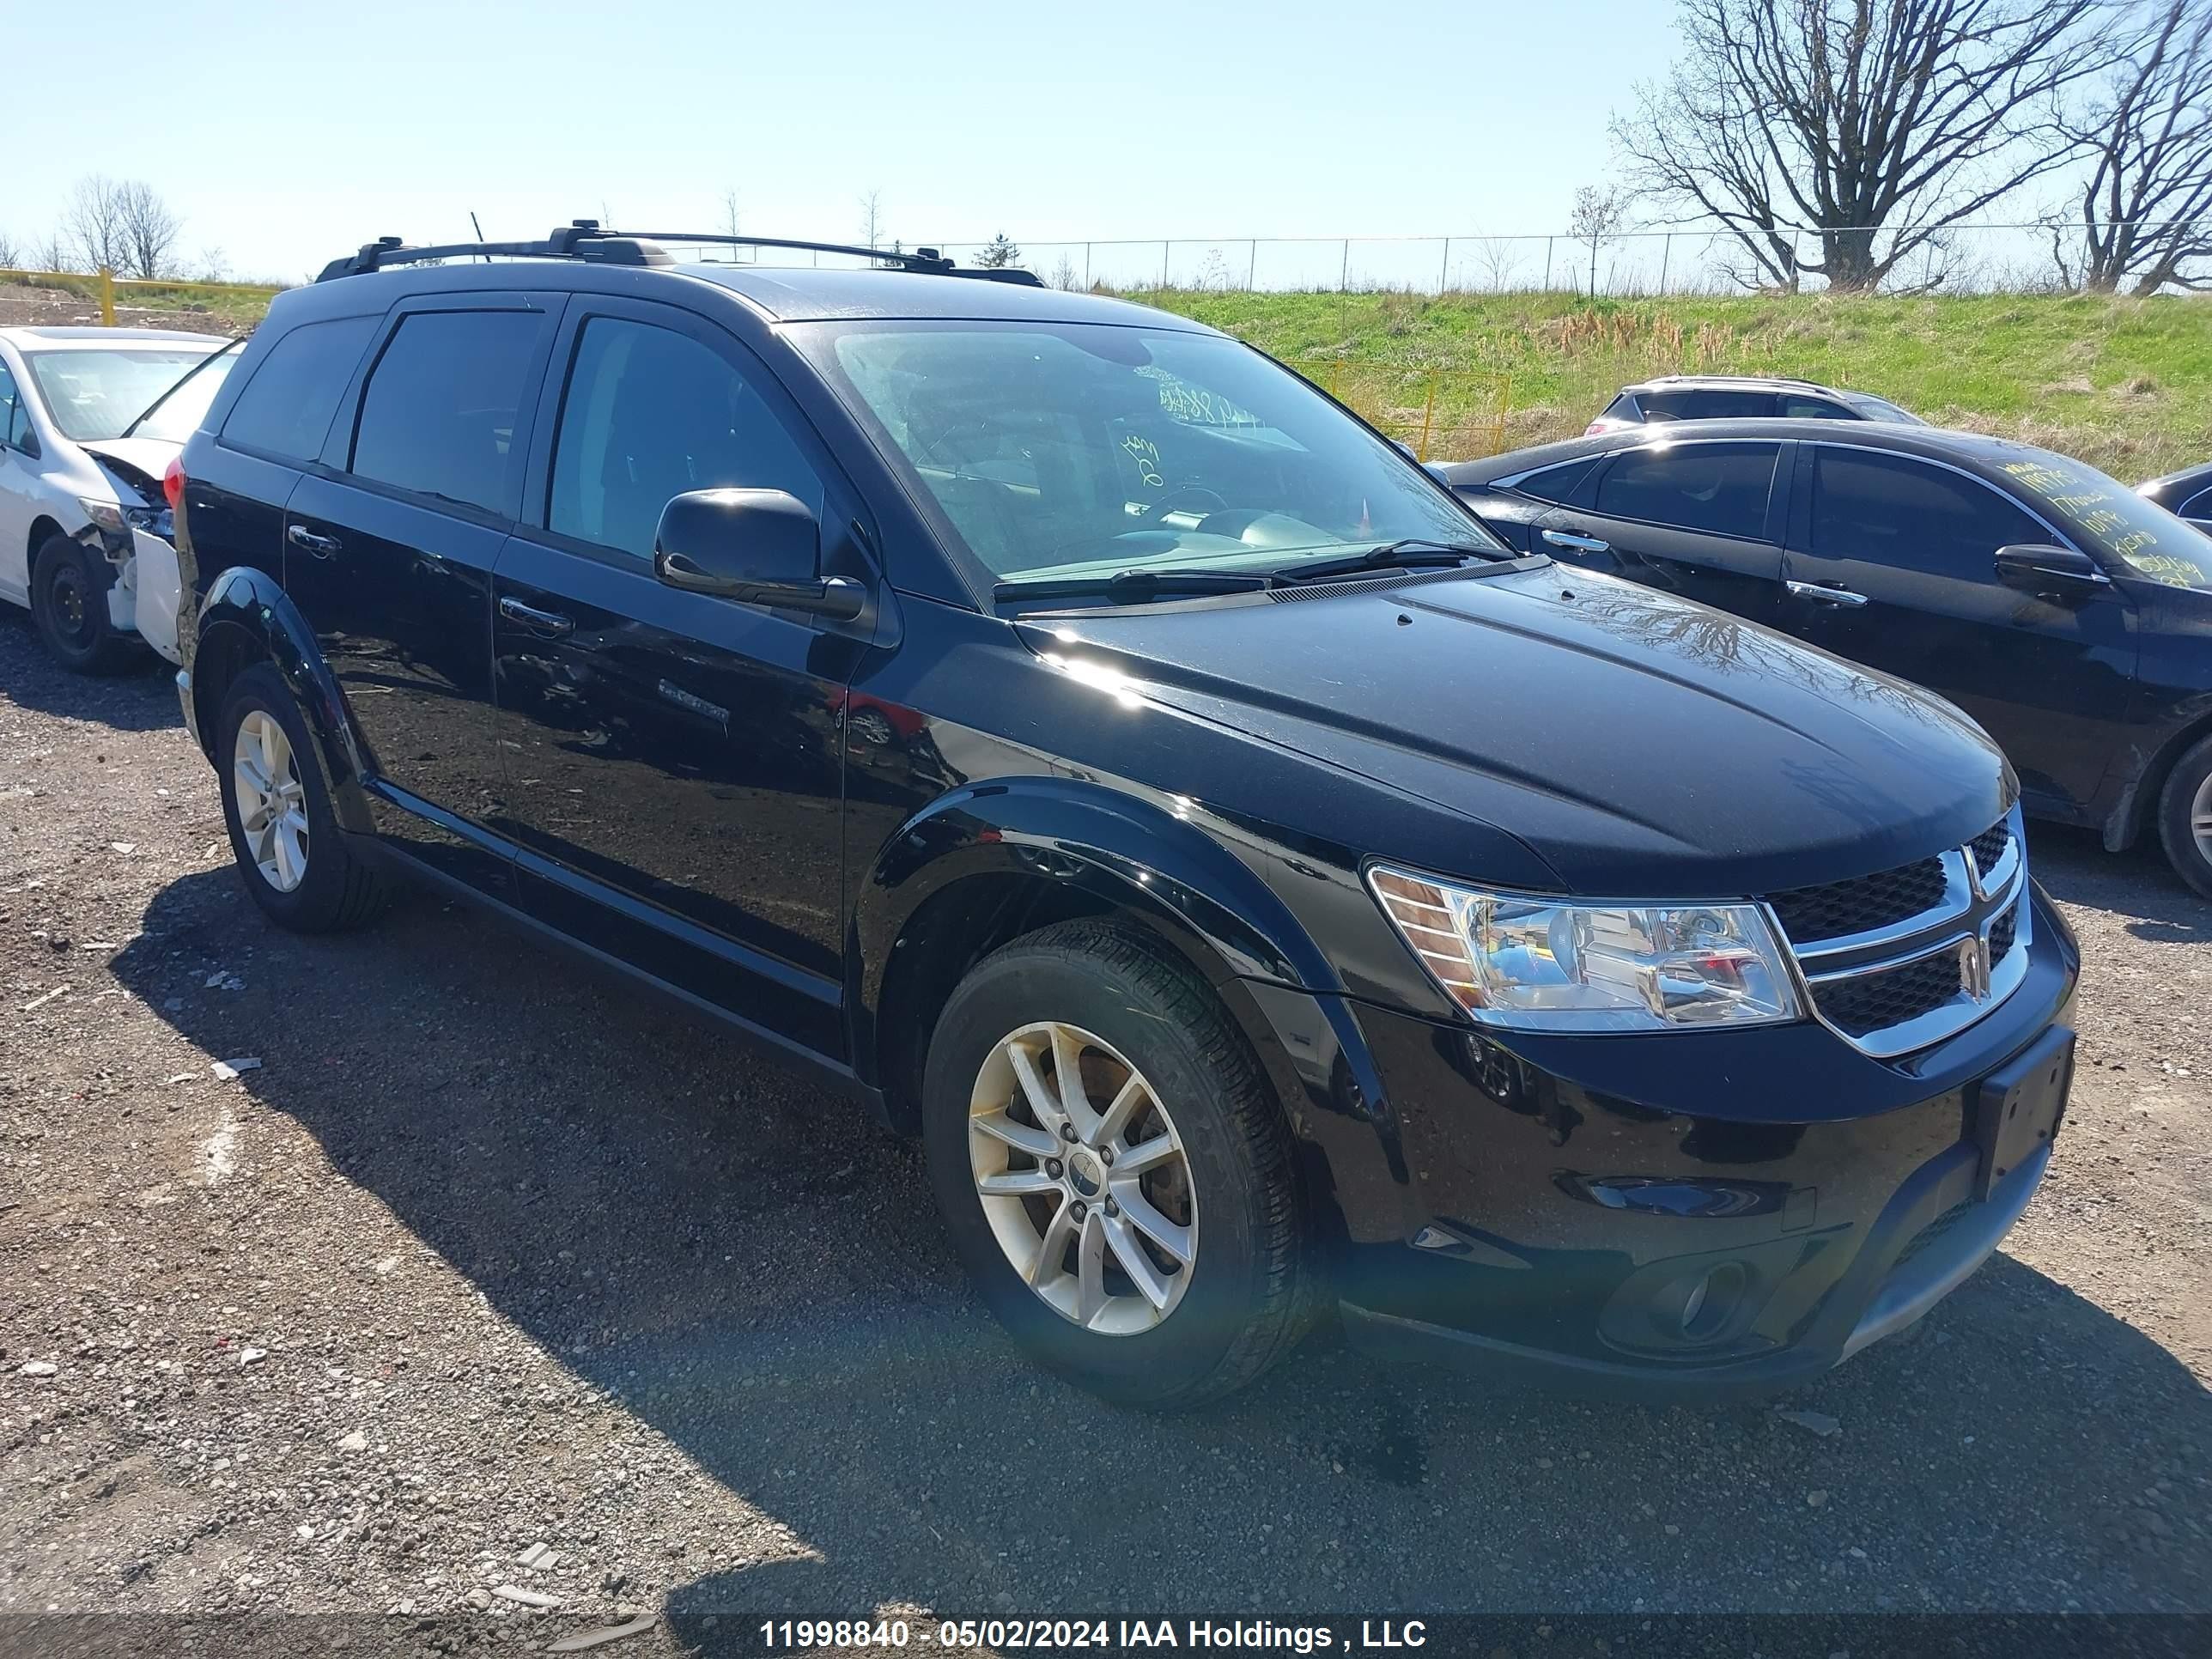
pixel 1551 965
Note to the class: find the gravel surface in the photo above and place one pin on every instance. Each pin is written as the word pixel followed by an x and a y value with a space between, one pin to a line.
pixel 493 1252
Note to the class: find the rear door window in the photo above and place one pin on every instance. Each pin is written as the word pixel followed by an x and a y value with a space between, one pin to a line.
pixel 439 414
pixel 1720 489
pixel 1891 510
pixel 285 409
pixel 1708 403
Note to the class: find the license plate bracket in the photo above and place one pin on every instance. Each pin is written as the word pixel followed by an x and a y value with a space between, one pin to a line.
pixel 2019 1107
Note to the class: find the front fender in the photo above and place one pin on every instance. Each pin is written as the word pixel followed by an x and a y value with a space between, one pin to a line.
pixel 248 618
pixel 1115 845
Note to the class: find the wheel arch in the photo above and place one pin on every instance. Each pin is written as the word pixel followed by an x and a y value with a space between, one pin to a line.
pixel 2138 802
pixel 247 619
pixel 990 863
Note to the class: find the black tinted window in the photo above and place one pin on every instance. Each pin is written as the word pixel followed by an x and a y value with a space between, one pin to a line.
pixel 1886 509
pixel 1721 487
pixel 287 406
pixel 650 414
pixel 1708 403
pixel 1556 483
pixel 1815 409
pixel 439 414
pixel 2198 505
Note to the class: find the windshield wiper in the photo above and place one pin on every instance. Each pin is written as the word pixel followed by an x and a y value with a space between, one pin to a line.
pixel 1135 587
pixel 1410 553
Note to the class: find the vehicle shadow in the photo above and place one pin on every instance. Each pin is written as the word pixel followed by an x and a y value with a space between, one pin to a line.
pixel 144 699
pixel 760 1276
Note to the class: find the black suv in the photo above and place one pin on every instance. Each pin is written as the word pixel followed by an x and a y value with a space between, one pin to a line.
pixel 1070 732
pixel 2065 612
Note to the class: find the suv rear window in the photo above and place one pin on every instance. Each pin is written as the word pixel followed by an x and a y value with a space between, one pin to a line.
pixel 287 406
pixel 439 411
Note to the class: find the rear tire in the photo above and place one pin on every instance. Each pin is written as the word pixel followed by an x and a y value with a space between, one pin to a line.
pixel 69 603
pixel 2184 817
pixel 300 869
pixel 1204 1157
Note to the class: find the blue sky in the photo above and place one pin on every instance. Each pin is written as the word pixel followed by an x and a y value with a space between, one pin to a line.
pixel 285 134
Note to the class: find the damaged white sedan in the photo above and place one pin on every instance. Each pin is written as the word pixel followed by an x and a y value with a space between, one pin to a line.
pixel 90 419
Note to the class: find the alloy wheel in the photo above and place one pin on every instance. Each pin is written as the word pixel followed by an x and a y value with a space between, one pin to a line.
pixel 2200 819
pixel 1084 1180
pixel 272 803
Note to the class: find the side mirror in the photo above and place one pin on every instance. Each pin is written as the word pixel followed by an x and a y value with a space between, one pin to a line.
pixel 757 546
pixel 2058 572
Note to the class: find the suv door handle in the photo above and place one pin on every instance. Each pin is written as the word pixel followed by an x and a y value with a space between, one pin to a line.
pixel 1580 544
pixel 1824 594
pixel 321 546
pixel 550 624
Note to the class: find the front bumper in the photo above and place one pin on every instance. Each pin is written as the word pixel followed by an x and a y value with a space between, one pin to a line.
pixel 1691 1216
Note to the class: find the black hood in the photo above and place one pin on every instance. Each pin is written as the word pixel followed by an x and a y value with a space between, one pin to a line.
pixel 1639 743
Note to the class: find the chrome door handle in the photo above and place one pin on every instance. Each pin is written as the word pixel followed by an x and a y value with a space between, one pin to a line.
pixel 1580 544
pixel 321 546
pixel 548 623
pixel 1821 595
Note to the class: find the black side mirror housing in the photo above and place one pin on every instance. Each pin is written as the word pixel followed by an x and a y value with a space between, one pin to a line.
pixel 2056 572
pixel 756 546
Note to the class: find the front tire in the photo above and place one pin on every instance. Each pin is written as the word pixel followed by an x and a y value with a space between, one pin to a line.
pixel 1115 1172
pixel 298 868
pixel 2184 817
pixel 69 603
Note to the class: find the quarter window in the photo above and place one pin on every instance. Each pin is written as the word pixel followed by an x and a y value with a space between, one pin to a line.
pixel 1556 483
pixel 286 408
pixel 439 413
pixel 650 414
pixel 14 420
pixel 1887 509
pixel 1707 403
pixel 1719 487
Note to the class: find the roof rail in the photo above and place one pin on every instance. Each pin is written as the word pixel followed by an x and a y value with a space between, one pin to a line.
pixel 583 238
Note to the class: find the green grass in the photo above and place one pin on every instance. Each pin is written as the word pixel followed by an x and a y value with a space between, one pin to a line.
pixel 237 306
pixel 2124 383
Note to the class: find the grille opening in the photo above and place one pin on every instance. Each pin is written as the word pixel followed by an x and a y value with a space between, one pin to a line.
pixel 1874 1002
pixel 1989 847
pixel 1838 907
pixel 2003 934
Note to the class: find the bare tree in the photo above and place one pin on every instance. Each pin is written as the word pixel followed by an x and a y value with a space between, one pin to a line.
pixel 93 222
pixel 150 230
pixel 212 266
pixel 1498 259
pixel 1599 216
pixel 10 255
pixel 1065 276
pixel 872 217
pixel 54 253
pixel 730 211
pixel 1871 124
pixel 2147 203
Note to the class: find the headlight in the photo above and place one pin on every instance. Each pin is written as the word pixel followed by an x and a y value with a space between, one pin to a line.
pixel 117 519
pixel 1547 965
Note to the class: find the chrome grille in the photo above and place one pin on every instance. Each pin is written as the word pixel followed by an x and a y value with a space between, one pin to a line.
pixel 1841 907
pixel 1899 960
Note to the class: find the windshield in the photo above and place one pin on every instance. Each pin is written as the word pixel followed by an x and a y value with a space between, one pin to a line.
pixel 95 394
pixel 1060 451
pixel 2112 521
pixel 178 413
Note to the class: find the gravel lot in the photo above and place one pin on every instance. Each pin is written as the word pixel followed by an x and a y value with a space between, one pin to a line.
pixel 494 1251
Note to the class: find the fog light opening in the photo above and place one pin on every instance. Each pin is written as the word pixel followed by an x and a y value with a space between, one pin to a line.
pixel 1712 1302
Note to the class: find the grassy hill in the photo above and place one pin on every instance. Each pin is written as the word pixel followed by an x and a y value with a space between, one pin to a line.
pixel 2124 383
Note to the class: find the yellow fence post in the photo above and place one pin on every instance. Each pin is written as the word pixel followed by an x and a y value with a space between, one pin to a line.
pixel 1428 418
pixel 106 297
